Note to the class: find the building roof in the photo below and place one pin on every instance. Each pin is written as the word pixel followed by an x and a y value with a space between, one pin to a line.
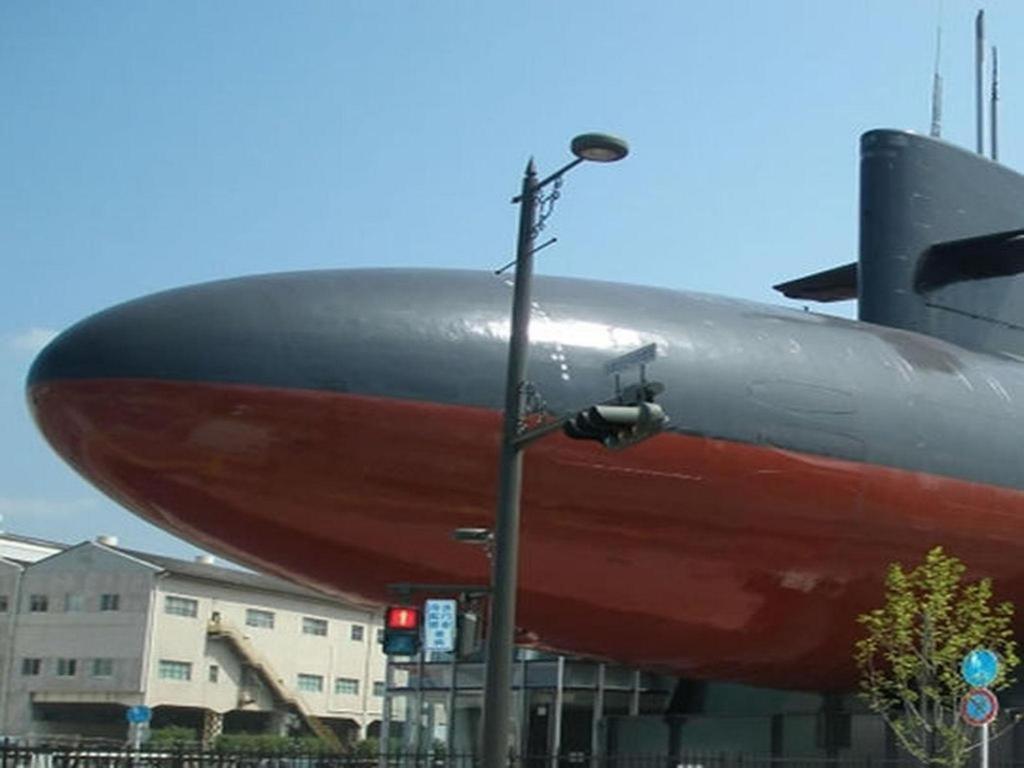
pixel 27 549
pixel 7 536
pixel 20 547
pixel 218 574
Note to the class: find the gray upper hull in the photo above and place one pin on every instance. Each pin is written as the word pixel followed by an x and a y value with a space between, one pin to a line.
pixel 733 370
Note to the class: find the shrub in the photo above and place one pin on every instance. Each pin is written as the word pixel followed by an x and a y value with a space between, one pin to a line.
pixel 172 735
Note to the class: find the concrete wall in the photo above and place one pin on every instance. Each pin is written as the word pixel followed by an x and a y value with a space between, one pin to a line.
pixel 74 626
pixel 117 643
pixel 10 584
pixel 289 650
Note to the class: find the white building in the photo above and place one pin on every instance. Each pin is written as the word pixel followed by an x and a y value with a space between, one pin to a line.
pixel 26 549
pixel 93 629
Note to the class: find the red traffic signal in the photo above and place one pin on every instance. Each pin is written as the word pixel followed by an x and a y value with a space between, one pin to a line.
pixel 402 617
pixel 401 630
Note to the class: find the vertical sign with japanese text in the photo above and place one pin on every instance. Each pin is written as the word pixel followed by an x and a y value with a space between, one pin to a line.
pixel 439 623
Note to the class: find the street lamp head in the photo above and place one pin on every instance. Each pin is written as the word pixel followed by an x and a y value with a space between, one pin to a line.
pixel 599 147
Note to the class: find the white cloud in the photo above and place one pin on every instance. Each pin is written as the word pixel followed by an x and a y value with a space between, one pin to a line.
pixel 31 340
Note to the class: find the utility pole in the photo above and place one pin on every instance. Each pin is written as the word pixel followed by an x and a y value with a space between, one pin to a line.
pixel 504 575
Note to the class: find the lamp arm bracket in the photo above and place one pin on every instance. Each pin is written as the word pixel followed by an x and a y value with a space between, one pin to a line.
pixel 554 176
pixel 529 436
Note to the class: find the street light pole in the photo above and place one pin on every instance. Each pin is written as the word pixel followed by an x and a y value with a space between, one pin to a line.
pixel 504 574
pixel 501 629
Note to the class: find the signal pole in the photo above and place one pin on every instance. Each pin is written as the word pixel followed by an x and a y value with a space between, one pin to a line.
pixel 979 64
pixel 504 575
pixel 501 628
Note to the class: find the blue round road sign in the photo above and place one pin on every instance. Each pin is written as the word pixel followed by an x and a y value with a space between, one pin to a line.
pixel 979 707
pixel 137 714
pixel 980 667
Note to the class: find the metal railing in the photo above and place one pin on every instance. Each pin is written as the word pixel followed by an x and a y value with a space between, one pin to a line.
pixel 99 754
pixel 250 654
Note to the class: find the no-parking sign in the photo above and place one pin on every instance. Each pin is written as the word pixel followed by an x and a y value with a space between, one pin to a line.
pixel 979 707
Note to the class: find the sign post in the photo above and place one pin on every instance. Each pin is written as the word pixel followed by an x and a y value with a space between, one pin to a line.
pixel 138 724
pixel 980 706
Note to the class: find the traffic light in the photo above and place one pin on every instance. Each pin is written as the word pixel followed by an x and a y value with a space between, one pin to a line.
pixel 617 426
pixel 402 630
pixel 470 637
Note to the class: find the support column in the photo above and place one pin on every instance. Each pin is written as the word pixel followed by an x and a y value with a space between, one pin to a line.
pixel 385 723
pixel 213 727
pixel 524 705
pixel 417 745
pixel 634 698
pixel 449 734
pixel 278 722
pixel 892 749
pixel 836 723
pixel 778 735
pixel 596 718
pixel 556 720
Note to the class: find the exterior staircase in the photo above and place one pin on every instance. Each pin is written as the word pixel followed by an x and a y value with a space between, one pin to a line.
pixel 223 630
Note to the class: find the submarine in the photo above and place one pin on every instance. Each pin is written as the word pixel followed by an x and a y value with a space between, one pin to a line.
pixel 335 427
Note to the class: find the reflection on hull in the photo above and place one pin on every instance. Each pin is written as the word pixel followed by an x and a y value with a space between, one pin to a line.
pixel 709 558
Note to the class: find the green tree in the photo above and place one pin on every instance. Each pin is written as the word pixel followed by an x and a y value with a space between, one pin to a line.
pixel 909 662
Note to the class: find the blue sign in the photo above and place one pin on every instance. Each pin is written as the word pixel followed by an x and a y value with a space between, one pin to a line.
pixel 979 707
pixel 440 618
pixel 980 668
pixel 137 714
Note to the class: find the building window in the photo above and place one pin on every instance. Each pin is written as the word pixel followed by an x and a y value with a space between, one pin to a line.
pixel 110 602
pixel 102 667
pixel 357 631
pixel 378 687
pixel 73 603
pixel 311 626
pixel 346 685
pixel 67 667
pixel 3 603
pixel 380 636
pixel 175 670
pixel 38 603
pixel 256 618
pixel 31 666
pixel 181 606
pixel 214 673
pixel 311 683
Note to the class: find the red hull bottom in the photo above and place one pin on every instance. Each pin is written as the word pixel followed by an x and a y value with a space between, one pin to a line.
pixel 707 558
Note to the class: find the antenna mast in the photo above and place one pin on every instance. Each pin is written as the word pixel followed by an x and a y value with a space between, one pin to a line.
pixel 994 118
pixel 937 87
pixel 979 63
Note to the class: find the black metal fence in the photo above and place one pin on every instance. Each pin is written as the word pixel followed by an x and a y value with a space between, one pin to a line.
pixel 99 755
pixel 14 754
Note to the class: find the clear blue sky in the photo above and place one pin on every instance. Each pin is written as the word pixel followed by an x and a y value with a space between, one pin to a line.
pixel 148 145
